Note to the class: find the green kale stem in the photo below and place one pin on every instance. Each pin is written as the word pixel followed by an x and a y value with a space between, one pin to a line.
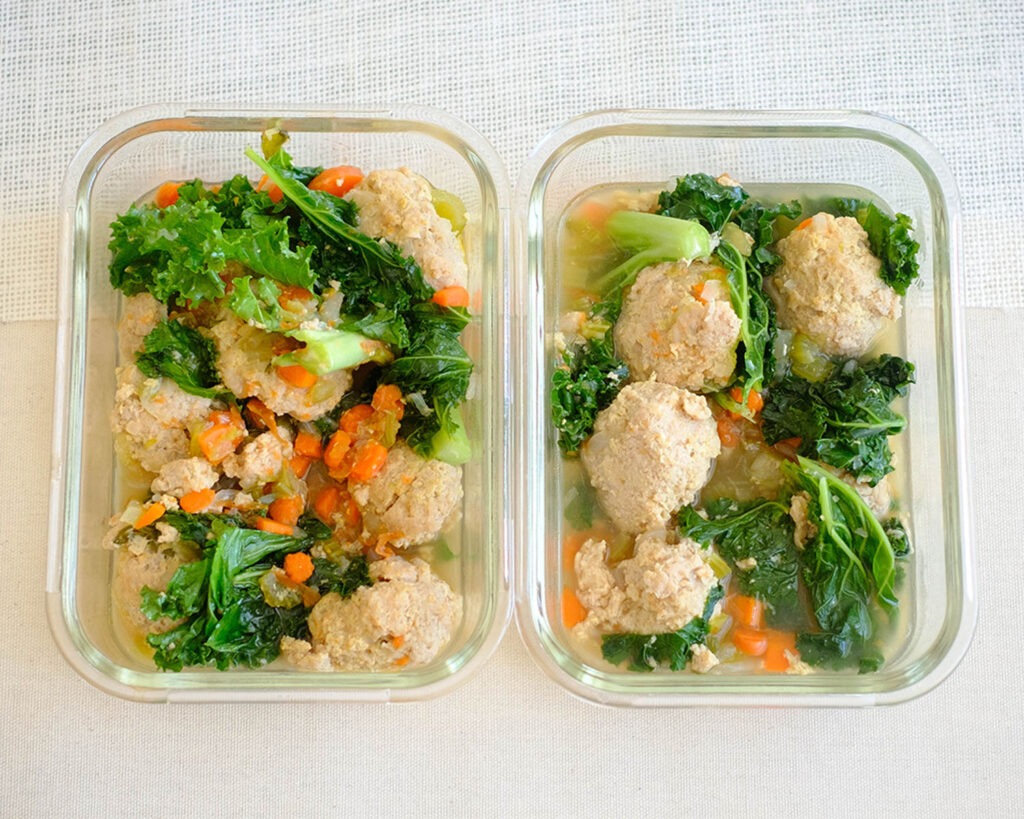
pixel 330 350
pixel 654 239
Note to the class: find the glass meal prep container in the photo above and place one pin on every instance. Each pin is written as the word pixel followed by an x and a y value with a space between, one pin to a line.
pixel 125 161
pixel 775 156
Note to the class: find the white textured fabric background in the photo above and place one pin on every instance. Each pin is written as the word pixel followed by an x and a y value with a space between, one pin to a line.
pixel 509 742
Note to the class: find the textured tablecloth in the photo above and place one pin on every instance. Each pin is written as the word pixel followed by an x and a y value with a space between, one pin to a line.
pixel 509 742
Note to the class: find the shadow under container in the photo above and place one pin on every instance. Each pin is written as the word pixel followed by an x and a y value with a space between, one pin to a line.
pixel 778 155
pixel 130 156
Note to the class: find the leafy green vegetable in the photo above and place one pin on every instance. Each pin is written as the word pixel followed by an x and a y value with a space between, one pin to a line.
pixel 579 510
pixel 255 300
pixel 645 652
pixel 332 577
pixel 700 197
pixel 762 531
pixel 178 252
pixel 758 221
pixel 184 355
pixel 757 319
pixel 844 420
pixel 386 298
pixel 590 377
pixel 226 620
pixel 335 217
pixel 436 367
pixel 173 252
pixel 849 569
pixel 653 239
pixel 890 240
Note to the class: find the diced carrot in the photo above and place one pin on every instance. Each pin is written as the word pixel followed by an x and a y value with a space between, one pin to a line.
pixel 150 515
pixel 351 512
pixel 402 661
pixel 326 503
pixel 397 641
pixel 274 192
pixel 596 213
pixel 298 566
pixel 573 612
pixel 297 376
pixel 197 501
pixel 750 641
pixel 272 526
pixel 452 296
pixel 336 449
pixel 262 413
pixel 221 438
pixel 369 460
pixel 728 433
pixel 805 223
pixel 747 611
pixel 779 642
pixel 388 398
pixel 337 181
pixel 300 465
pixel 166 195
pixel 787 446
pixel 286 510
pixel 697 291
pixel 308 444
pixel 353 417
pixel 755 402
pixel 218 441
pixel 292 293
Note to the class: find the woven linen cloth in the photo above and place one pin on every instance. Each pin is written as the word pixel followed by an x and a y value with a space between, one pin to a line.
pixel 510 742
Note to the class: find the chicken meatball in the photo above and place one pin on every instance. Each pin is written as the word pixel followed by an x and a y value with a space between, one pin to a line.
pixel 660 589
pixel 260 461
pixel 397 205
pixel 411 500
pixel 140 314
pixel 244 356
pixel 139 566
pixel 828 288
pixel 185 475
pixel 150 418
pixel 404 619
pixel 678 325
pixel 650 453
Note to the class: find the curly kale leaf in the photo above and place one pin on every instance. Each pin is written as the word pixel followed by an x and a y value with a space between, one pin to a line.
pixel 436 367
pixel 590 377
pixel 184 355
pixel 701 198
pixel 180 251
pixel 758 221
pixel 890 239
pixel 645 652
pixel 761 531
pixel 333 577
pixel 844 420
